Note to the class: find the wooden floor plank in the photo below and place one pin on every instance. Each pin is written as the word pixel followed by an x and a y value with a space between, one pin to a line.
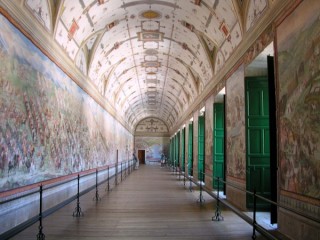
pixel 151 203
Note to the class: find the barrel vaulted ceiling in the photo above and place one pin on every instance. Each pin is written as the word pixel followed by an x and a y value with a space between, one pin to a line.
pixel 148 58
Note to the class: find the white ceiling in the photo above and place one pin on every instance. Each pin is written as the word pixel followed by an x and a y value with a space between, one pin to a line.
pixel 148 58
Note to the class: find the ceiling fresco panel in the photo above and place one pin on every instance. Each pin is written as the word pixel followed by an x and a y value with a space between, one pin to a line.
pixel 255 11
pixel 81 62
pixel 41 11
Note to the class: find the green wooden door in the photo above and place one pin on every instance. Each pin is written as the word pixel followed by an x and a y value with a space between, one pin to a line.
pixel 218 144
pixel 190 150
pixel 171 150
pixel 183 133
pixel 257 139
pixel 174 150
pixel 201 139
pixel 178 150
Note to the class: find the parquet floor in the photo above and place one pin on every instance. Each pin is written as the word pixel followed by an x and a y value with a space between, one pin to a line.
pixel 151 203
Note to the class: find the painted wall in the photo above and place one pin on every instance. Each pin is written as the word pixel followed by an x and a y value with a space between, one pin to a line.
pixel 235 137
pixel 209 141
pixel 154 147
pixel 195 144
pixel 49 127
pixel 298 44
pixel 235 125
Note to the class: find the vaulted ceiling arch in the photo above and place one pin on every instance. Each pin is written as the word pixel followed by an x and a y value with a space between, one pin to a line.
pixel 143 55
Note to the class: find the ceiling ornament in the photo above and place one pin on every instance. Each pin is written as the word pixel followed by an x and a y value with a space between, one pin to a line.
pixel 150 14
pixel 150 58
pixel 188 25
pixel 151 73
pixel 151 69
pixel 111 25
pixel 197 2
pixel 152 36
pixel 72 31
pixel 225 30
pixel 151 64
pixel 151 52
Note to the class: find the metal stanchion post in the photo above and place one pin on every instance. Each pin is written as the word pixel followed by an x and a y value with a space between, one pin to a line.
pixel 129 167
pixel 201 198
pixel 77 211
pixel 217 216
pixel 121 171
pixel 125 169
pixel 108 186
pixel 40 235
pixel 116 175
pixel 254 214
pixel 96 197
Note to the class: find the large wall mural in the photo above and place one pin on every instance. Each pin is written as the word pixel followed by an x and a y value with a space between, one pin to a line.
pixel 235 124
pixel 298 45
pixel 49 126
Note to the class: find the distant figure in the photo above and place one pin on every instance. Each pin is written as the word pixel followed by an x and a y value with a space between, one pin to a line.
pixel 163 160
pixel 136 161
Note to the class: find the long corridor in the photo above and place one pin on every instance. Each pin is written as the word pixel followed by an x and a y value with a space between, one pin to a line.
pixel 150 203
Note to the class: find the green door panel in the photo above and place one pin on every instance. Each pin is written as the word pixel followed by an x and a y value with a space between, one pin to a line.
pixel 201 141
pixel 190 150
pixel 257 139
pixel 183 132
pixel 177 159
pixel 218 144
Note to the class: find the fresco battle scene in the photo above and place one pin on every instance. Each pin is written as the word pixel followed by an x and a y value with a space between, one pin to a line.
pixel 49 127
pixel 236 138
pixel 299 107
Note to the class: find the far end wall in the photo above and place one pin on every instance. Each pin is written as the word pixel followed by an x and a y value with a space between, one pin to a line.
pixel 153 146
pixel 152 136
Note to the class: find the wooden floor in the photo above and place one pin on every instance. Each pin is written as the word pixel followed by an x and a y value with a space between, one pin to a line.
pixel 151 203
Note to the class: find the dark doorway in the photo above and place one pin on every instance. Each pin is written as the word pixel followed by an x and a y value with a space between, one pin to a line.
pixel 261 130
pixel 141 156
pixel 273 138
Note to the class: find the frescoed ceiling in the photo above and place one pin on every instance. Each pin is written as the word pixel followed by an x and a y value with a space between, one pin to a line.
pixel 148 58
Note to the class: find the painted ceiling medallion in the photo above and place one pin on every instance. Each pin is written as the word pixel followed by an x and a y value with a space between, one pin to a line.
pixel 150 64
pixel 150 14
pixel 151 52
pixel 152 36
